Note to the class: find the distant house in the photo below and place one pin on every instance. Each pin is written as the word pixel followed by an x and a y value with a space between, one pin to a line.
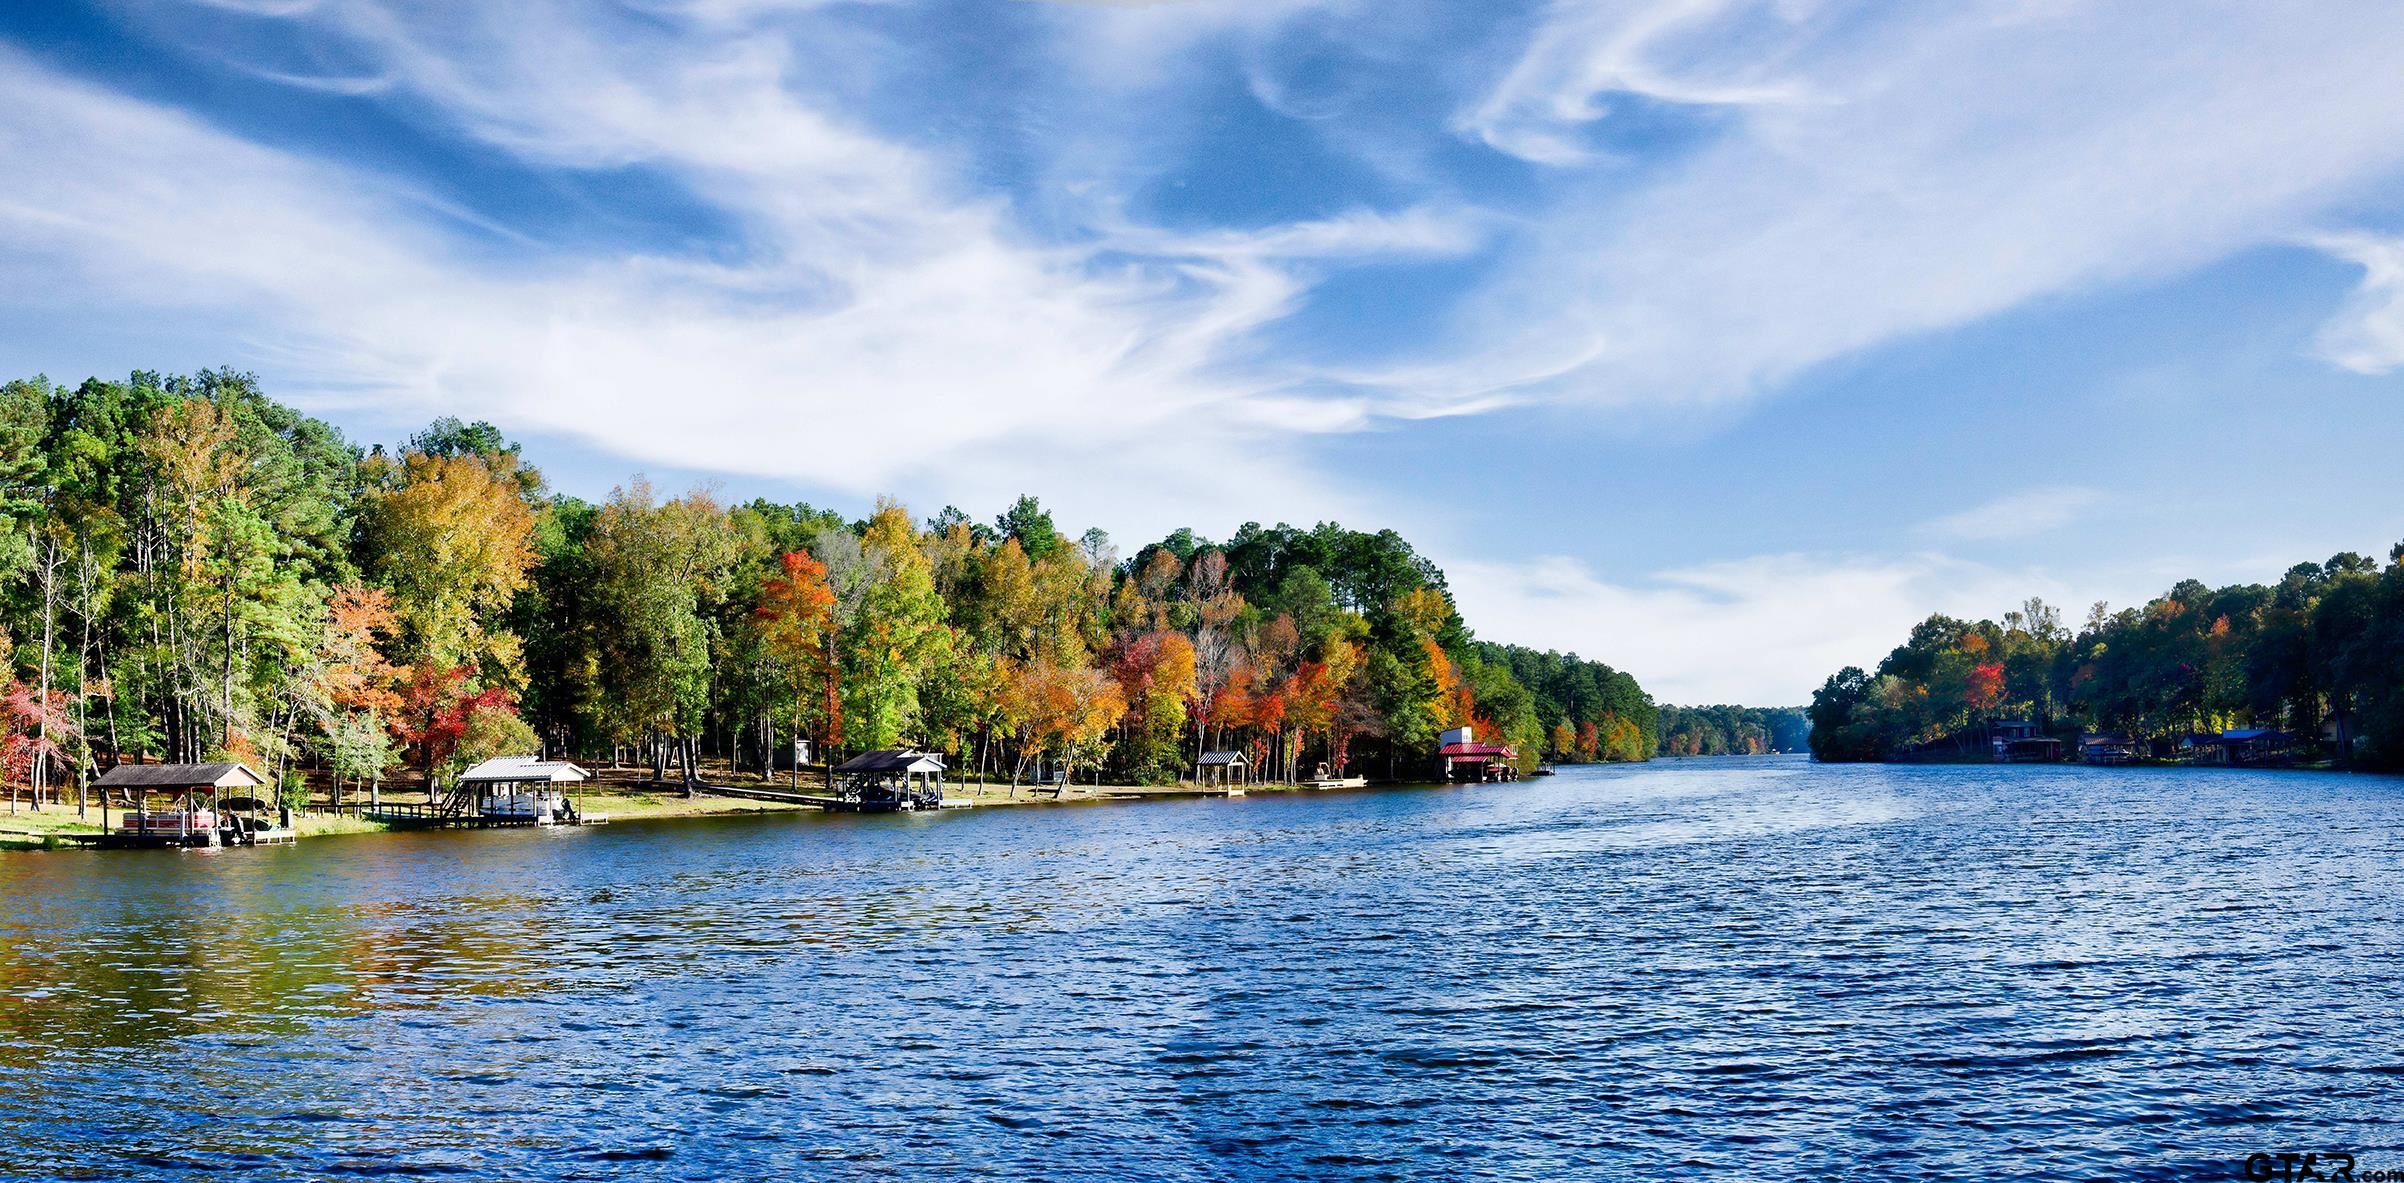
pixel 2017 741
pixel 2258 746
pixel 2338 736
pixel 2253 747
pixel 1467 759
pixel 2109 748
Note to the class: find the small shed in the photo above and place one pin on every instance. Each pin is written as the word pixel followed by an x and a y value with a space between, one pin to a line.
pixel 191 791
pixel 522 789
pixel 1221 767
pixel 893 779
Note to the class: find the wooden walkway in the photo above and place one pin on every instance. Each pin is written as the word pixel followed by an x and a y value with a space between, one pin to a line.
pixel 778 796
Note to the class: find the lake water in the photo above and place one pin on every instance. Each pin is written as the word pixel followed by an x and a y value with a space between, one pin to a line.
pixel 1762 969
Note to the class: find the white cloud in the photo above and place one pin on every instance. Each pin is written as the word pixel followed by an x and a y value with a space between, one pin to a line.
pixel 1421 231
pixel 877 315
pixel 2026 514
pixel 2367 335
pixel 1659 49
pixel 1940 164
pixel 1764 631
pixel 880 326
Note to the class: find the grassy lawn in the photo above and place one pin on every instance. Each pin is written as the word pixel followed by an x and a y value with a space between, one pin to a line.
pixel 624 804
pixel 53 819
pixel 317 825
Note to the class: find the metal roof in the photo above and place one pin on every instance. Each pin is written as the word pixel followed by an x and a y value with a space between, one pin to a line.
pixel 1476 749
pixel 893 760
pixel 522 769
pixel 179 776
pixel 1215 758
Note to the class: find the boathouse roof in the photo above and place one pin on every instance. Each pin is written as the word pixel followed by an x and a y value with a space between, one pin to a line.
pixel 523 769
pixel 1223 759
pixel 1461 750
pixel 180 776
pixel 893 760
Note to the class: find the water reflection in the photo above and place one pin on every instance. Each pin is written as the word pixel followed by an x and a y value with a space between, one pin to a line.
pixel 1776 969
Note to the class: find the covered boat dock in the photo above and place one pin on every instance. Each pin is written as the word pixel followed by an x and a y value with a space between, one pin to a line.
pixel 502 791
pixel 1465 759
pixel 890 780
pixel 198 812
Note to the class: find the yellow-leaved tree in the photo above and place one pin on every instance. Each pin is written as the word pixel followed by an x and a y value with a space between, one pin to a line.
pixel 453 537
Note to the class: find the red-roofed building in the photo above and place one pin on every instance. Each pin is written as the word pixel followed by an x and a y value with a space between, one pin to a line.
pixel 1467 759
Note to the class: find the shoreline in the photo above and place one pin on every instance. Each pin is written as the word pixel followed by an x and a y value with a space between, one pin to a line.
pixel 48 829
pixel 2122 766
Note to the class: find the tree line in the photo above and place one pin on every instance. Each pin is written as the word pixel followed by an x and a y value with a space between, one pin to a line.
pixel 190 570
pixel 1732 730
pixel 2319 654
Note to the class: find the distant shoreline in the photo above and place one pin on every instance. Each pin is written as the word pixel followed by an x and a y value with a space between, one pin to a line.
pixel 644 802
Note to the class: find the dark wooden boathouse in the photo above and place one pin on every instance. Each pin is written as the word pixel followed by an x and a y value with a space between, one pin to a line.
pixel 199 811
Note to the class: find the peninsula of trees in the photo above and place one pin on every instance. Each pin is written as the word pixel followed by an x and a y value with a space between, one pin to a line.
pixel 2318 655
pixel 190 570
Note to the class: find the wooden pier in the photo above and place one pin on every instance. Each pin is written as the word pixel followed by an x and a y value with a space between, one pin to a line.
pixel 421 816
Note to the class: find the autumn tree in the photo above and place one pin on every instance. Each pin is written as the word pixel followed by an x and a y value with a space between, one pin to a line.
pixel 1155 674
pixel 452 536
pixel 448 724
pixel 796 618
pixel 896 634
pixel 354 690
pixel 1218 651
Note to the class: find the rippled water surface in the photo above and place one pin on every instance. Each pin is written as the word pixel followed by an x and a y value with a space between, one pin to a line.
pixel 1767 967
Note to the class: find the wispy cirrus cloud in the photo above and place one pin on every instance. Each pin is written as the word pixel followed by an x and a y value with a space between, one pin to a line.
pixel 883 324
pixel 2030 513
pixel 2367 335
pixel 1891 177
pixel 1586 56
pixel 1112 252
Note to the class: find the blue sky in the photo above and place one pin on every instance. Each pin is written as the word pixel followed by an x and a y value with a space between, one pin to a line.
pixel 1718 340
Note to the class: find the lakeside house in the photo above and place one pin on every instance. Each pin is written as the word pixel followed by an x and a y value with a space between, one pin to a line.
pixel 1466 759
pixel 892 779
pixel 199 812
pixel 2017 741
pixel 2109 749
pixel 2246 747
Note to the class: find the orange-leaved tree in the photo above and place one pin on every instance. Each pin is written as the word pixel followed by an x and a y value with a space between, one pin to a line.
pixel 356 687
pixel 796 618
